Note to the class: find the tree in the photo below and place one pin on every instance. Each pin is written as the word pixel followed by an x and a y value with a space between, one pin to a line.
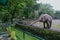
pixel 57 15
pixel 46 8
pixel 17 8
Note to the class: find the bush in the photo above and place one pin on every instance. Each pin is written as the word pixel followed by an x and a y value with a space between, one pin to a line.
pixel 9 30
pixel 11 33
pixel 13 37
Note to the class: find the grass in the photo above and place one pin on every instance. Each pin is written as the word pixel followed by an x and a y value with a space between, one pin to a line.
pixel 19 35
pixel 56 26
pixel 29 37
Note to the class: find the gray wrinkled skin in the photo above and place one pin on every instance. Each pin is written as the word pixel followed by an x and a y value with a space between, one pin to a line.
pixel 46 19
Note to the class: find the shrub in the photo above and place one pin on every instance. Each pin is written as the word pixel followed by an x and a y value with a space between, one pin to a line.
pixel 13 37
pixel 9 30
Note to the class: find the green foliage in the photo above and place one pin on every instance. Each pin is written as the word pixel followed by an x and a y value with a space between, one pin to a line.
pixel 18 9
pixel 21 5
pixel 9 30
pixel 57 15
pixel 36 7
pixel 20 34
pixel 15 8
pixel 11 33
pixel 13 37
pixel 1 29
pixel 46 9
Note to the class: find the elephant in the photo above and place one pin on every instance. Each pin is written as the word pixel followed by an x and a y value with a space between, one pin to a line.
pixel 46 19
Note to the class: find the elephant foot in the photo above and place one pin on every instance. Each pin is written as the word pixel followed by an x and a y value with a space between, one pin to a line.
pixel 47 27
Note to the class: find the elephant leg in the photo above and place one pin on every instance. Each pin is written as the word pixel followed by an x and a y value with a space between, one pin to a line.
pixel 48 25
pixel 44 24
